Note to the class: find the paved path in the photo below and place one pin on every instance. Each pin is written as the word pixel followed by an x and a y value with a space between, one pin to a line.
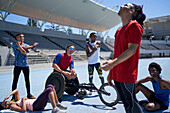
pixel 90 104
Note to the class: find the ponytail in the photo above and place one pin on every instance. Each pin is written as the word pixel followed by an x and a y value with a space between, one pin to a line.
pixel 138 15
pixel 141 18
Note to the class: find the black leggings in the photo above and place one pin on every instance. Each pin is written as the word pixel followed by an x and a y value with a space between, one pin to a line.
pixel 17 71
pixel 42 99
pixel 128 97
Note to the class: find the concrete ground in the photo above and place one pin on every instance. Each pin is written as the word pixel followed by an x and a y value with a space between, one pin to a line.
pixel 91 103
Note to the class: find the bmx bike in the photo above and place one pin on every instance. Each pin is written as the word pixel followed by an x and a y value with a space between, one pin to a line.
pixel 107 94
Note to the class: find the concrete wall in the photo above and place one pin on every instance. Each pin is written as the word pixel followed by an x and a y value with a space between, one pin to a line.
pixel 161 28
pixel 156 53
pixel 7 26
pixel 155 42
pixel 4 52
pixel 111 41
pixel 77 37
pixel 50 32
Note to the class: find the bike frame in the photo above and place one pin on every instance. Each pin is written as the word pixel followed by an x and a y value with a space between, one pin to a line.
pixel 92 87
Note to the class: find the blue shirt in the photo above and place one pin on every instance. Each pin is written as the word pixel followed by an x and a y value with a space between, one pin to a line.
pixel 20 59
pixel 59 57
pixel 161 94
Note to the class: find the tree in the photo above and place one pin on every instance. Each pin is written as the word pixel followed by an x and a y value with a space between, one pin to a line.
pixel 163 38
pixel 69 31
pixel 32 22
pixel 53 26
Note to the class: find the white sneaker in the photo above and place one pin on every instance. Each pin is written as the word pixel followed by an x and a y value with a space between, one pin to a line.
pixel 90 92
pixel 61 106
pixel 57 110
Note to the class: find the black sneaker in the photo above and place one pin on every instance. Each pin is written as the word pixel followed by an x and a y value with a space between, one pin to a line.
pixel 142 102
pixel 31 97
pixel 59 100
pixel 81 94
pixel 90 92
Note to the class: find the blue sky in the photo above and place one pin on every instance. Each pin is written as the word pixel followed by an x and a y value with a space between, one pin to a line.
pixel 152 8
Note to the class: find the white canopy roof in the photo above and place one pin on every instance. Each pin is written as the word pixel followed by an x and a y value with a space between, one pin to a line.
pixel 84 14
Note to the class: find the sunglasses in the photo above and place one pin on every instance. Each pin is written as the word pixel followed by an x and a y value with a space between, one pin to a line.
pixel 21 36
pixel 71 48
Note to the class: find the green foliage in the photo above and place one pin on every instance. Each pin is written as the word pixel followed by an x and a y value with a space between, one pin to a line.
pixel 69 30
pixel 32 22
pixel 163 38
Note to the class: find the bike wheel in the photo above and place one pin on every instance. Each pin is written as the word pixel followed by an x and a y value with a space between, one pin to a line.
pixel 111 98
pixel 58 81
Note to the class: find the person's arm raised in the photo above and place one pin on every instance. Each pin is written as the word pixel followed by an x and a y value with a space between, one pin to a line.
pixel 87 49
pixel 23 51
pixel 149 78
pixel 30 47
pixel 88 53
pixel 14 92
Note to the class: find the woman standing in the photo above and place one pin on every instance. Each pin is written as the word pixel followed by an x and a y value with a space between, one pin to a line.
pixel 124 66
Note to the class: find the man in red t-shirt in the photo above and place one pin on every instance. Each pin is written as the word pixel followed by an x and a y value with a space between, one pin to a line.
pixel 127 42
pixel 124 66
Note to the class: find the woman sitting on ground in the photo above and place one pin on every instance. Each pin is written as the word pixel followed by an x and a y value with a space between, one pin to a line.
pixel 24 104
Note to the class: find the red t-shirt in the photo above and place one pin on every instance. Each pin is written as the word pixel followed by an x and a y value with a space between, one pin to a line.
pixel 127 71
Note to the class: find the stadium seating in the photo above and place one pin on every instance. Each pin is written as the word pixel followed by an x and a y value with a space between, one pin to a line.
pixel 48 46
pixel 53 42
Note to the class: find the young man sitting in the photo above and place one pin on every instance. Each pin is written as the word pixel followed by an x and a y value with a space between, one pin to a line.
pixel 159 99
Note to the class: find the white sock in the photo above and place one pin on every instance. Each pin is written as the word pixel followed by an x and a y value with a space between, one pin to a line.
pixel 56 108
pixel 58 103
